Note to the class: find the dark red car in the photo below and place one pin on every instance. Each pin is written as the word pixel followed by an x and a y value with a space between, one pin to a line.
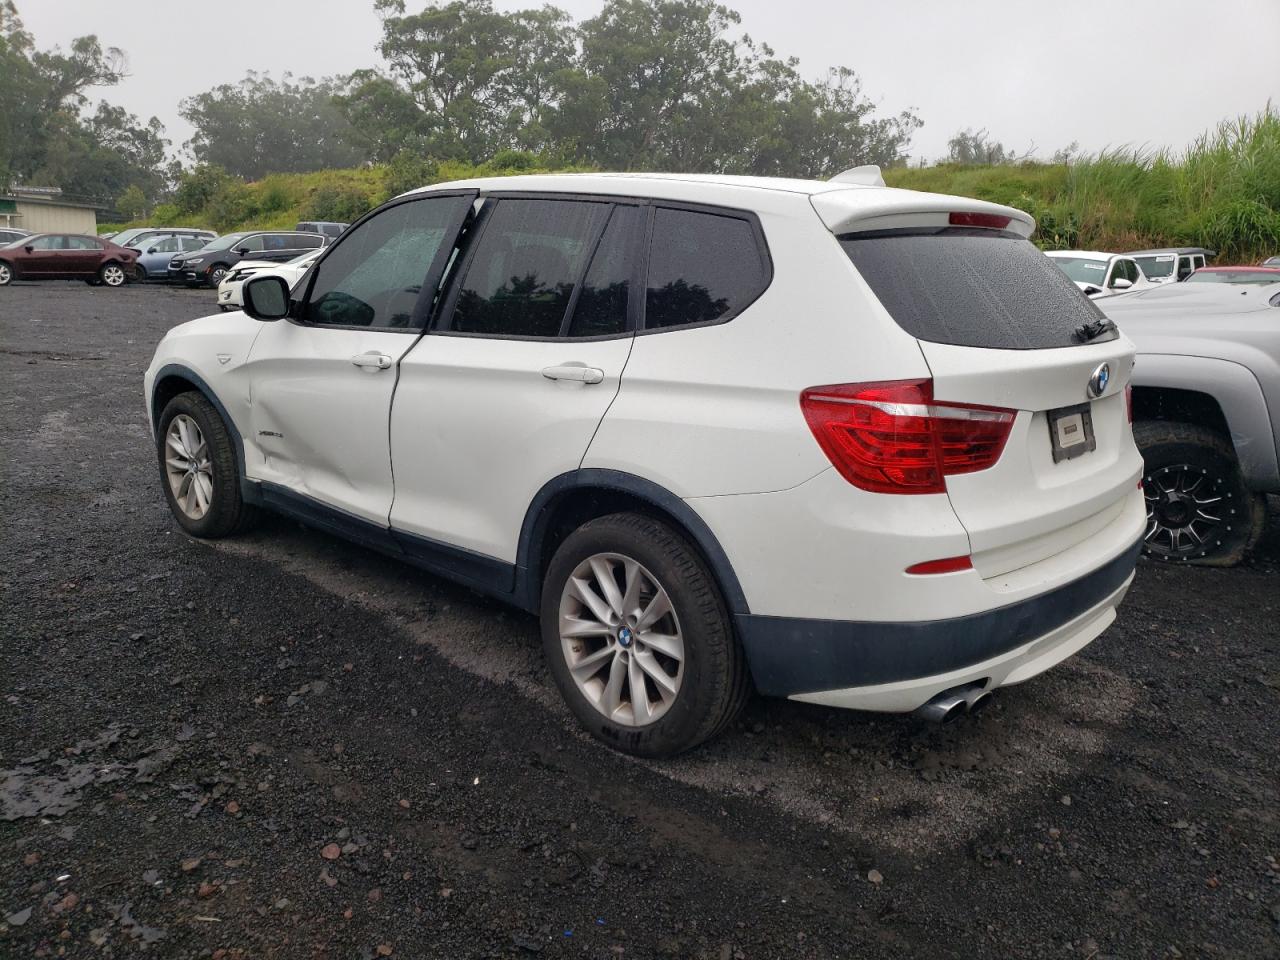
pixel 67 256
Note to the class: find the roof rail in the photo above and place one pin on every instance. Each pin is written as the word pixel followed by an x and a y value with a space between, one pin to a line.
pixel 868 175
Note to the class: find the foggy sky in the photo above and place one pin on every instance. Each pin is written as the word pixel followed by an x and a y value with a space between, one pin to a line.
pixel 1100 72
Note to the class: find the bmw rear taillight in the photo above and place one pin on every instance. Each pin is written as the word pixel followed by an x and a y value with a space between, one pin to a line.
pixel 893 437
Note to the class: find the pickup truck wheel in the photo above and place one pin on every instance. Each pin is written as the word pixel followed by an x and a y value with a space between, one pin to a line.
pixel 199 470
pixel 638 638
pixel 1198 507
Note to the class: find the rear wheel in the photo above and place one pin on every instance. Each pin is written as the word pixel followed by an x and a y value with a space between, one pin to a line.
pixel 113 275
pixel 199 470
pixel 638 638
pixel 1198 507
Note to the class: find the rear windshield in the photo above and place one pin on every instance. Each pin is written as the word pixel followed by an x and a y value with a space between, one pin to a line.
pixel 972 288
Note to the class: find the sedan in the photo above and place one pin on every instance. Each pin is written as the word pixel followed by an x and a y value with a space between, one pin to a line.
pixel 1100 274
pixel 67 256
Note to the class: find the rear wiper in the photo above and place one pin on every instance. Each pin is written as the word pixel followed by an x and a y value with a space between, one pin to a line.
pixel 1093 329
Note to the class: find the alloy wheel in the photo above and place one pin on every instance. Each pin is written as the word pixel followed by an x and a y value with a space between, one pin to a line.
pixel 1189 512
pixel 188 466
pixel 621 639
pixel 216 275
pixel 6 274
pixel 113 275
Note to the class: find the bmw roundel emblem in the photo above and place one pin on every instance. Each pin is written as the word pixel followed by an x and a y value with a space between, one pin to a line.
pixel 1098 382
pixel 624 637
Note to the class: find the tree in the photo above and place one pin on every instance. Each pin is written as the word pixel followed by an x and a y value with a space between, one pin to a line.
pixel 46 137
pixel 132 203
pixel 262 126
pixel 976 147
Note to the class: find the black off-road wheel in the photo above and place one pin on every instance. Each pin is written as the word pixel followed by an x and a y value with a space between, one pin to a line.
pixel 1198 507
pixel 639 639
pixel 199 470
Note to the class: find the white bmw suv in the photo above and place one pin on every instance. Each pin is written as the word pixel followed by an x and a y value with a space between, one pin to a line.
pixel 846 444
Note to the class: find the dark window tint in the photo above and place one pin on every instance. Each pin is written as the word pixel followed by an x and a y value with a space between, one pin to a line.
pixel 601 309
pixel 972 289
pixel 373 277
pixel 530 255
pixel 300 241
pixel 254 244
pixel 702 267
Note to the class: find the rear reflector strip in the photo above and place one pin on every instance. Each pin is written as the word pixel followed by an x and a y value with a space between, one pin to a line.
pixel 948 565
pixel 991 221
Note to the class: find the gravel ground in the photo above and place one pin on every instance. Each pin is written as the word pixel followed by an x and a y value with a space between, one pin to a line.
pixel 287 746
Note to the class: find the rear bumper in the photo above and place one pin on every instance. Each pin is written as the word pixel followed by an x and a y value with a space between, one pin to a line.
pixel 897 665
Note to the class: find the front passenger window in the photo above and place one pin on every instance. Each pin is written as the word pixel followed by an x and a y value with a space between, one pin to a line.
pixel 373 277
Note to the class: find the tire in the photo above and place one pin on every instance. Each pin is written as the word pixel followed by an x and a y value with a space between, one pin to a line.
pixel 113 275
pixel 6 274
pixel 210 505
pixel 709 677
pixel 1198 507
pixel 216 273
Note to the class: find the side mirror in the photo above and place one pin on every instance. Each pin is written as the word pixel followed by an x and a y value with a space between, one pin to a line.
pixel 243 251
pixel 29 248
pixel 266 298
pixel 151 250
pixel 1121 284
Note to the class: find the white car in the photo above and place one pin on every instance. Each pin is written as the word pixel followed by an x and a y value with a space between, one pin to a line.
pixel 713 431
pixel 290 271
pixel 1100 274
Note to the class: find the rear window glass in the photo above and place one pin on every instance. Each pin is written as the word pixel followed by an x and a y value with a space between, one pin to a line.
pixel 972 289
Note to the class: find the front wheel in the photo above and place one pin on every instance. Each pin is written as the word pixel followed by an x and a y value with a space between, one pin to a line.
pixel 6 274
pixel 198 468
pixel 113 275
pixel 216 273
pixel 638 638
pixel 1198 507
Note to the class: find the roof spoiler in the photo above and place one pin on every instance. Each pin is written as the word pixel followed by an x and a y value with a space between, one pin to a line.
pixel 868 175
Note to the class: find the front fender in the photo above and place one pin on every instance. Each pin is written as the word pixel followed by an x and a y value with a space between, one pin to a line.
pixel 1240 397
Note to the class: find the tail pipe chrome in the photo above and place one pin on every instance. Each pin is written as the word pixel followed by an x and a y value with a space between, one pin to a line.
pixel 950 704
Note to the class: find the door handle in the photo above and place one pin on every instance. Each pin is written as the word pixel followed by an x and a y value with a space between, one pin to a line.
pixel 574 371
pixel 372 360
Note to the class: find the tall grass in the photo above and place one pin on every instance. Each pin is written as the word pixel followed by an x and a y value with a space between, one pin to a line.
pixel 1222 191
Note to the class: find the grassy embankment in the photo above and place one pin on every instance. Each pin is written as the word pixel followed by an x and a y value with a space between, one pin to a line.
pixel 1223 191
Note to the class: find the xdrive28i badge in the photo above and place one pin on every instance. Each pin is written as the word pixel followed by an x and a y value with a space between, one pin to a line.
pixel 1097 385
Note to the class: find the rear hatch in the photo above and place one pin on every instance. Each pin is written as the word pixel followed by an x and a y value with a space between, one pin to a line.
pixel 1001 326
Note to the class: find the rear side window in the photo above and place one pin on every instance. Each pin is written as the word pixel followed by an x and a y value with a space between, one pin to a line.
pixel 703 268
pixel 525 266
pixel 972 288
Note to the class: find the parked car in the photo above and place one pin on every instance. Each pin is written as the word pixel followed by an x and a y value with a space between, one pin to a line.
pixel 291 272
pixel 66 256
pixel 153 262
pixel 140 236
pixel 1235 275
pixel 329 228
pixel 10 234
pixel 1206 408
pixel 1271 262
pixel 809 475
pixel 1099 274
pixel 208 265
pixel 1171 264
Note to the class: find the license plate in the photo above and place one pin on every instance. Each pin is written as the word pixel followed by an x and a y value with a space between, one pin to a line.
pixel 1071 432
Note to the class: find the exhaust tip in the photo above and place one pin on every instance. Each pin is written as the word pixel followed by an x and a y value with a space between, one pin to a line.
pixel 981 700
